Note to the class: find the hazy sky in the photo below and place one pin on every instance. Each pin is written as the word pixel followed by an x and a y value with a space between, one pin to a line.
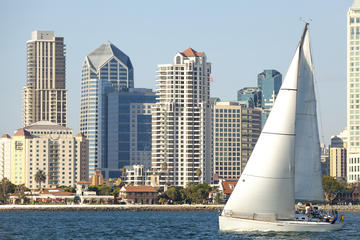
pixel 240 38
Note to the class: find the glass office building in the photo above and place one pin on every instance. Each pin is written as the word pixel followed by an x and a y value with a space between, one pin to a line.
pixel 108 68
pixel 251 94
pixel 125 129
pixel 269 81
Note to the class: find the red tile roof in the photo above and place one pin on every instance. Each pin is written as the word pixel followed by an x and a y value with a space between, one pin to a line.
pixel 229 186
pixel 137 189
pixel 56 192
pixel 192 53
pixel 5 136
pixel 22 132
pixel 80 135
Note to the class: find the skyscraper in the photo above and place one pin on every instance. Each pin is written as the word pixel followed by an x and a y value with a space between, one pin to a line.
pixel 251 94
pixel 269 81
pixel 104 69
pixel 337 158
pixel 353 96
pixel 125 130
pixel 236 130
pixel 181 125
pixel 45 95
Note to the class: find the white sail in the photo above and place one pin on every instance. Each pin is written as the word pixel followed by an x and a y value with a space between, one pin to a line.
pixel 265 189
pixel 308 185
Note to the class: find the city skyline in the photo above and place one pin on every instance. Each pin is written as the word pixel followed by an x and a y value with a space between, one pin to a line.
pixel 236 41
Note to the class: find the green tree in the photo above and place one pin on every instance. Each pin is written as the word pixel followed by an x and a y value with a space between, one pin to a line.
pixel 40 177
pixel 115 191
pixel 6 187
pixel 198 173
pixel 100 189
pixel 332 187
pixel 174 195
pixel 20 192
pixel 68 189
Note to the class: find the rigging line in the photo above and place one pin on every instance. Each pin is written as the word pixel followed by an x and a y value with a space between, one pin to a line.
pixel 284 134
pixel 318 105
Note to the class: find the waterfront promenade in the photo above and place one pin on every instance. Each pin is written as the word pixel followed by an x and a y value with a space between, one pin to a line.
pixel 141 208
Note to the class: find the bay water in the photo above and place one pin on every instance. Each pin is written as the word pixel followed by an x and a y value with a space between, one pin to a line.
pixel 142 225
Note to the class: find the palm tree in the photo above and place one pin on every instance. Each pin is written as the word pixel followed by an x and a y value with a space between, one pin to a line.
pixel 198 173
pixel 20 192
pixel 40 177
pixel 164 168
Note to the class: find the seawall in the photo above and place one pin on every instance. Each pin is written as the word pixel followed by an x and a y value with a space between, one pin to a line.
pixel 140 208
pixel 128 208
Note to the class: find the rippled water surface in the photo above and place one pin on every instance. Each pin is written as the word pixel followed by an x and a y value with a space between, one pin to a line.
pixel 142 225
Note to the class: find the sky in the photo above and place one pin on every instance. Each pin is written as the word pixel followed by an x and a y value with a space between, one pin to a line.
pixel 240 39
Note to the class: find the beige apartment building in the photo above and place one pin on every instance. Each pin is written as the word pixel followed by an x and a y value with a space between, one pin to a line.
pixel 51 148
pixel 45 95
pixel 5 156
pixel 236 130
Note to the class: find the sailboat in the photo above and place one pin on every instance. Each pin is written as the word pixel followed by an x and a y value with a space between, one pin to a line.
pixel 285 163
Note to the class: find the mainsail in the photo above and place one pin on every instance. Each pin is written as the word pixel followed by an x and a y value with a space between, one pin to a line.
pixel 308 185
pixel 266 187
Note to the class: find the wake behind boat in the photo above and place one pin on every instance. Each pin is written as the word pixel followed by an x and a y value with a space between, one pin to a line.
pixel 285 163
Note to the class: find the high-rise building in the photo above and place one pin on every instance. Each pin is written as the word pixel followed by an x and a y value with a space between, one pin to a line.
pixel 251 94
pixel 269 81
pixel 5 156
pixel 125 130
pixel 337 158
pixel 45 94
pixel 353 96
pixel 325 159
pixel 51 148
pixel 182 122
pixel 104 69
pixel 236 130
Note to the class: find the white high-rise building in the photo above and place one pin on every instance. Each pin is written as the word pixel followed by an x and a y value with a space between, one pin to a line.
pixel 353 92
pixel 181 122
pixel 45 94
pixel 5 156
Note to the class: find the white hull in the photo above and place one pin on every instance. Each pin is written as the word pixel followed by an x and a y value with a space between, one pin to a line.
pixel 230 224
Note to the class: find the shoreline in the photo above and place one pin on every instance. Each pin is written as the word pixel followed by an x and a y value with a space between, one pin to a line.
pixel 109 207
pixel 144 208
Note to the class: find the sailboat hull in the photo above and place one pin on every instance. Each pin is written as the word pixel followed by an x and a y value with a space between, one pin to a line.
pixel 232 224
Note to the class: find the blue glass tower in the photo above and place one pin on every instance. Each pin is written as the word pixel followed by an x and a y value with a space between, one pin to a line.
pixel 269 81
pixel 125 129
pixel 105 68
pixel 251 94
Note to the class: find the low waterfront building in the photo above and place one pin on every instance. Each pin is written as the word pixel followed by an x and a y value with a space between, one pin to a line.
pixel 51 148
pixel 138 194
pixel 5 156
pixel 236 130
